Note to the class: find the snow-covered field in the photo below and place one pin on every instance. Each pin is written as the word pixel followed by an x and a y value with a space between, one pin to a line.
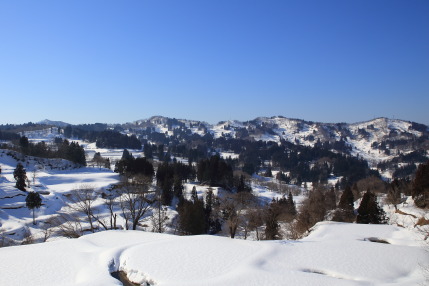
pixel 334 254
pixel 53 183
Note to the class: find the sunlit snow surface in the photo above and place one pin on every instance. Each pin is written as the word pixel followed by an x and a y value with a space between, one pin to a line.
pixel 334 254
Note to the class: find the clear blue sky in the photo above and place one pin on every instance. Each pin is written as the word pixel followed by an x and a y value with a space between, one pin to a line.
pixel 86 61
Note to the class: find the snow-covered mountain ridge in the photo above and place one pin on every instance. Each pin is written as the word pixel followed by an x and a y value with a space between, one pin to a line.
pixel 376 140
pixel 390 145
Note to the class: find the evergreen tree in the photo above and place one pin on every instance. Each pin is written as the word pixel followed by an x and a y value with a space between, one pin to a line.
pixel 20 176
pixel 291 205
pixel 268 173
pixel 330 199
pixel 72 152
pixel 192 219
pixel 147 150
pixel 126 155
pixel 369 212
pixel 178 188
pixel 24 143
pixel 138 166
pixel 345 209
pixel 242 186
pixel 33 201
pixel 161 152
pixel 107 163
pixel 68 131
pixel 167 191
pixel 347 199
pixel 215 171
pixel 213 224
pixel 271 221
pixel 194 195
pixel 420 190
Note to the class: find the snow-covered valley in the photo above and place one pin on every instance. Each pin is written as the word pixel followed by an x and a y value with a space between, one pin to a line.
pixel 333 253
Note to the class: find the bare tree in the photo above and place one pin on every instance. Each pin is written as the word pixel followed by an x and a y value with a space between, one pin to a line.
pixel 36 169
pixel 253 220
pixel 159 215
pixel 47 228
pixel 159 219
pixel 374 184
pixel 81 200
pixel 110 202
pixel 233 208
pixel 394 193
pixel 135 200
pixel 312 211
pixel 67 225
pixel 27 237
pixel 5 241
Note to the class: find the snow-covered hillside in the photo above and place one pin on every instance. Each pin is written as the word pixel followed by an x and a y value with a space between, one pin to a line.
pixel 52 178
pixel 376 140
pixel 391 142
pixel 334 254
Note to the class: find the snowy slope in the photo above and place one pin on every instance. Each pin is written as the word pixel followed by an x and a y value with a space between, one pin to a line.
pixel 54 178
pixel 334 254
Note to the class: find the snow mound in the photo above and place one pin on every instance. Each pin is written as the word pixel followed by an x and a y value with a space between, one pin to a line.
pixel 334 254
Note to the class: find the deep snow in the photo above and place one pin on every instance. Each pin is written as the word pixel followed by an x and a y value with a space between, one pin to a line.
pixel 334 254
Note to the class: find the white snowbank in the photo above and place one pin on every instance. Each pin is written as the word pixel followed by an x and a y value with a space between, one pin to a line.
pixel 334 254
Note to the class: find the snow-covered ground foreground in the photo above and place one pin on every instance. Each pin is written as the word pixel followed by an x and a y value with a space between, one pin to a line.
pixel 334 254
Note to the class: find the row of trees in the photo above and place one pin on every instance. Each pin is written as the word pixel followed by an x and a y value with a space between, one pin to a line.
pixel 131 167
pixel 8 136
pixel 104 138
pixel 321 204
pixel 215 172
pixel 61 149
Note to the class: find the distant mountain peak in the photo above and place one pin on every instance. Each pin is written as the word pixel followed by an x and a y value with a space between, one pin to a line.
pixel 54 123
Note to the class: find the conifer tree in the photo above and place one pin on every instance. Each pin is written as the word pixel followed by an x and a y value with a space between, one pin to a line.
pixel 20 176
pixel 178 188
pixel 194 196
pixel 192 219
pixel 213 224
pixel 330 199
pixel 68 131
pixel 268 172
pixel 33 201
pixel 345 209
pixel 272 226
pixel 369 212
pixel 420 190
pixel 241 185
pixel 167 191
pixel 126 155
pixel 291 205
pixel 107 163
pixel 24 143
pixel 147 150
